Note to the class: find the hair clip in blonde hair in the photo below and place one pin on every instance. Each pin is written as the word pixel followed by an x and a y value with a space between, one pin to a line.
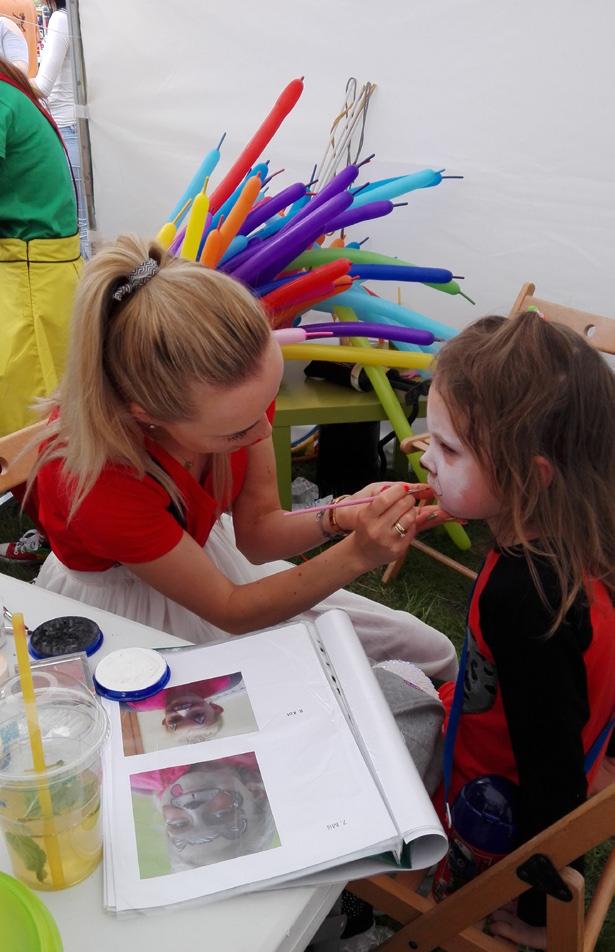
pixel 137 278
pixel 535 310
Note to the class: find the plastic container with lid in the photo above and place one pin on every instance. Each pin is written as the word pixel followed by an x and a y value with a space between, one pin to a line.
pixel 51 819
pixel 65 635
pixel 131 674
pixel 26 921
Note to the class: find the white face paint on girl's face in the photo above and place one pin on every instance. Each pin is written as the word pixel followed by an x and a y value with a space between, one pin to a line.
pixel 455 474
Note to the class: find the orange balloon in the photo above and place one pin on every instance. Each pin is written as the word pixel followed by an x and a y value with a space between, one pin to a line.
pixel 210 254
pixel 238 213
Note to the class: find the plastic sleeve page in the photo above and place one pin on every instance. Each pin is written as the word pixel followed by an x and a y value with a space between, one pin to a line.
pixel 107 813
pixel 381 741
pixel 242 773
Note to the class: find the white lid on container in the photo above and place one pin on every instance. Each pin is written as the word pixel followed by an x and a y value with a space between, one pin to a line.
pixel 131 674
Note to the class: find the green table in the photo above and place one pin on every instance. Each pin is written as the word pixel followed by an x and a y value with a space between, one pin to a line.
pixel 303 402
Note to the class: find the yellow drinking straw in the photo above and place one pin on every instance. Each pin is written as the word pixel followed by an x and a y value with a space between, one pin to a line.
pixel 36 746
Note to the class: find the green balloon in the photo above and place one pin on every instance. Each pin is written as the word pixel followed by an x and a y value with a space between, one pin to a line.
pixel 385 393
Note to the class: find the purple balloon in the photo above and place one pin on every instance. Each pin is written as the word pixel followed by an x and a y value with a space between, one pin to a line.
pixel 275 204
pixel 177 241
pixel 339 183
pixel 362 213
pixel 282 247
pixel 409 335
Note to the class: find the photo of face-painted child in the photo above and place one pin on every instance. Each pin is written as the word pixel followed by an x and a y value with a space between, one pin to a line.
pixel 200 814
pixel 187 714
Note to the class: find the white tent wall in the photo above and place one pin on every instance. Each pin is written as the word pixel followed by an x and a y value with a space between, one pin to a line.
pixel 517 97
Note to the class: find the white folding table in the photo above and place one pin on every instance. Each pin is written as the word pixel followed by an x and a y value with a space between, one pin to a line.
pixel 281 920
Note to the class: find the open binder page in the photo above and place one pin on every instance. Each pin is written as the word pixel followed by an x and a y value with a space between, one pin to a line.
pixel 242 773
pixel 381 742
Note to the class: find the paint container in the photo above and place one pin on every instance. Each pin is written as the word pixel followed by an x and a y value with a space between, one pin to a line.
pixel 131 674
pixel 65 635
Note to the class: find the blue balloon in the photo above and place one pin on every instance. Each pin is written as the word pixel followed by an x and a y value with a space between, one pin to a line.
pixel 394 272
pixel 263 289
pixel 239 243
pixel 225 208
pixel 280 220
pixel 196 182
pixel 400 186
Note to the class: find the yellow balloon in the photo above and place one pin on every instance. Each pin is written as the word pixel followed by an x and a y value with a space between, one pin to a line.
pixel 368 356
pixel 195 226
pixel 166 234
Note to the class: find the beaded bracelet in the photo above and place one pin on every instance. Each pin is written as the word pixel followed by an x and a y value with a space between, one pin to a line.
pixel 320 520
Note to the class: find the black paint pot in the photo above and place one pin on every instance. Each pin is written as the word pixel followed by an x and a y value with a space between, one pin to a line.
pixel 66 635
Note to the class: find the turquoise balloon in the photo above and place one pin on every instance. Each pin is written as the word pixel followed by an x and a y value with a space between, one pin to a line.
pixel 278 221
pixel 261 170
pixel 239 243
pixel 196 182
pixel 376 308
pixel 372 185
pixel 388 189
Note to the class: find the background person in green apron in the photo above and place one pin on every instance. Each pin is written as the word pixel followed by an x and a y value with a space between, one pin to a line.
pixel 39 253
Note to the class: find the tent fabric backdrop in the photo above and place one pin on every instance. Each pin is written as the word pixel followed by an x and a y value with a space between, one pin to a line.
pixel 515 97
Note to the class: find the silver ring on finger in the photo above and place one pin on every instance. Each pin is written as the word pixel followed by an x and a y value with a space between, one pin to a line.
pixel 397 526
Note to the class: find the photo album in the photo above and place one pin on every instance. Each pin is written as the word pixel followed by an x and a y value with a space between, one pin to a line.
pixel 271 759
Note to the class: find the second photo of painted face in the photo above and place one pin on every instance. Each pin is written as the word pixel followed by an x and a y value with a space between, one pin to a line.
pixel 455 473
pixel 216 811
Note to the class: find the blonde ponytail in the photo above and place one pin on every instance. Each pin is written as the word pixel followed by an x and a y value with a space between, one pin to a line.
pixel 186 324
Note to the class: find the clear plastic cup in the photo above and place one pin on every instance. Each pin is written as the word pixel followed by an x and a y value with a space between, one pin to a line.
pixel 57 848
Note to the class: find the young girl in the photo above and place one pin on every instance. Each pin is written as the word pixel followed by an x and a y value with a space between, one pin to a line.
pixel 162 423
pixel 522 420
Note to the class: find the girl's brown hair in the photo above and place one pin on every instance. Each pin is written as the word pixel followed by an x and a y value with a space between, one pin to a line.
pixel 526 388
pixel 186 325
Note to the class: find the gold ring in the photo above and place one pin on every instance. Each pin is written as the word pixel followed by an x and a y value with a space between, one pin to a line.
pixel 400 529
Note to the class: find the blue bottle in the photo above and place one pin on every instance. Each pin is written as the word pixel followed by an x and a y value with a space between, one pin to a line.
pixel 483 830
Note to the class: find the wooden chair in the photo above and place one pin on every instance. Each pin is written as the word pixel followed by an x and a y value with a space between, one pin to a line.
pixel 597 330
pixel 542 862
pixel 17 455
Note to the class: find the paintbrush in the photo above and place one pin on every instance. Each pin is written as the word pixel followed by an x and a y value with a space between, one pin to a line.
pixel 423 492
